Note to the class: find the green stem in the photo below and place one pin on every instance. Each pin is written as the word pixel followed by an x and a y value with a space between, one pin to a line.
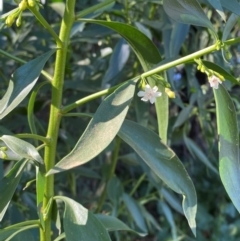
pixel 110 174
pixel 88 98
pixel 22 224
pixel 140 180
pixel 33 136
pixel 182 60
pixel 55 110
pixel 10 56
pixel 46 25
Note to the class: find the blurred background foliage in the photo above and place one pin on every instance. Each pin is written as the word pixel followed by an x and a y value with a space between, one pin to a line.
pixel 100 58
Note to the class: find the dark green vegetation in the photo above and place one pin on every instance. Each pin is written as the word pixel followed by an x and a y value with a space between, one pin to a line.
pixel 112 172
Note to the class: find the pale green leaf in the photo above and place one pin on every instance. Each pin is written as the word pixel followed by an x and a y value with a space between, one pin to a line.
pixel 187 11
pixel 80 224
pixel 164 162
pixel 22 148
pixel 22 82
pixel 228 144
pixel 101 130
pixel 9 184
pixel 148 56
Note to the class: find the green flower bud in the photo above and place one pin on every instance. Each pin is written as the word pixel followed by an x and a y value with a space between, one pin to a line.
pixel 228 55
pixel 203 69
pixel 19 20
pixel 31 3
pixel 22 5
pixel 9 20
pixel 170 93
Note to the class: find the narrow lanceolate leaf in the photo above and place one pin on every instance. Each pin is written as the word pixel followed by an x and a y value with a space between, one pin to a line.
pixel 21 83
pixel 218 7
pixel 228 145
pixel 101 130
pixel 21 148
pixel 80 224
pixel 231 22
pixel 9 184
pixel 232 6
pixel 187 11
pixel 164 162
pixel 114 224
pixel 148 56
pixel 136 212
pixel 117 62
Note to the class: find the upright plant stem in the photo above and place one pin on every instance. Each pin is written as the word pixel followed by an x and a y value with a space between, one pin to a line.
pixel 55 109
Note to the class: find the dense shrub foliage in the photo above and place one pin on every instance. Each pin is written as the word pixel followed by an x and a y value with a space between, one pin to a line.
pixel 119 120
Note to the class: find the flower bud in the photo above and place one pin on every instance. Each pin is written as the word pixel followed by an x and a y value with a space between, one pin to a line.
pixel 4 155
pixel 22 5
pixel 9 20
pixel 203 69
pixel 31 3
pixel 170 93
pixel 19 20
pixel 228 55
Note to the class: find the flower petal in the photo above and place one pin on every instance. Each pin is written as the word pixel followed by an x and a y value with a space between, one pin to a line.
pixel 141 93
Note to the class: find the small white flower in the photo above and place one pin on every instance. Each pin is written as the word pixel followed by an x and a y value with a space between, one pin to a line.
pixel 214 81
pixel 149 94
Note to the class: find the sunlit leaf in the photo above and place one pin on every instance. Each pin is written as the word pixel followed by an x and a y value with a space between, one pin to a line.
pixel 21 83
pixel 148 56
pixel 22 148
pixel 228 144
pixel 102 128
pixel 9 184
pixel 164 162
pixel 187 11
pixel 80 224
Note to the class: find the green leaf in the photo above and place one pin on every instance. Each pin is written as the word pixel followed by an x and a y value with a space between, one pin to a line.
pixel 11 231
pixel 187 11
pixel 183 116
pixel 169 216
pixel 231 22
pixel 164 162
pixel 228 144
pixel 232 6
pixel 114 224
pixel 114 190
pixel 221 71
pixel 198 153
pixel 9 184
pixel 135 210
pixel 22 148
pixel 101 130
pixel 218 7
pixel 149 56
pixel 117 62
pixel 21 83
pixel 80 224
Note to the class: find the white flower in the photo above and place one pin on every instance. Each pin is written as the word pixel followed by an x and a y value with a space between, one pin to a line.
pixel 149 94
pixel 214 81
